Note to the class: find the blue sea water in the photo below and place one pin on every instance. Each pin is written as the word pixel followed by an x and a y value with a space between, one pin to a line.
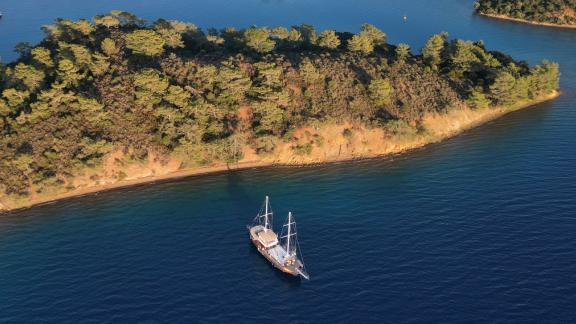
pixel 479 228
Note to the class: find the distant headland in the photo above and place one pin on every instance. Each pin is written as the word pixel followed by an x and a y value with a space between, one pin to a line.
pixel 118 101
pixel 552 13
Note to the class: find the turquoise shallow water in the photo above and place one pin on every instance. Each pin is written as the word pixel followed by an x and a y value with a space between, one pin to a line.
pixel 479 228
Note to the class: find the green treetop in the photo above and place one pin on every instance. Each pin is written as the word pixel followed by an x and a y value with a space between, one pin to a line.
pixel 432 51
pixel 259 40
pixel 402 52
pixel 145 42
pixel 361 43
pixel 329 39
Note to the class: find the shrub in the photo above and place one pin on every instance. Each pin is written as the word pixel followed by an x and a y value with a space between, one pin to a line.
pixel 303 149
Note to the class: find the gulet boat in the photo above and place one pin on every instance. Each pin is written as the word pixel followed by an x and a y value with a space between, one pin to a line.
pixel 284 252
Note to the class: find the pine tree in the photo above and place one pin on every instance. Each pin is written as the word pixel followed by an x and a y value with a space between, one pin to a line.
pixel 402 52
pixel 329 39
pixel 145 42
pixel 361 43
pixel 502 90
pixel 432 51
pixel 477 99
pixel 259 40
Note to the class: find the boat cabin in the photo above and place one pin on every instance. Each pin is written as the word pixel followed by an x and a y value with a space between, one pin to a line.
pixel 267 238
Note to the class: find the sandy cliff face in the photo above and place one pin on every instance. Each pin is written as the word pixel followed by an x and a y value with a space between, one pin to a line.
pixel 115 169
pixel 329 144
pixel 326 143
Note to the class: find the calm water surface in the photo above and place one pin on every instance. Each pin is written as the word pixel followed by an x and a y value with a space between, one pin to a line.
pixel 480 228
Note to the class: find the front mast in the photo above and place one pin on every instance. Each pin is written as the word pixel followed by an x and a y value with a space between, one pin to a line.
pixel 266 216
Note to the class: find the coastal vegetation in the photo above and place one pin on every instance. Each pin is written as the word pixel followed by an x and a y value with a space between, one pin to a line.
pixel 555 12
pixel 154 91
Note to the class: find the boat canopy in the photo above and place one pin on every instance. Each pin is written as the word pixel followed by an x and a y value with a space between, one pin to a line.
pixel 268 238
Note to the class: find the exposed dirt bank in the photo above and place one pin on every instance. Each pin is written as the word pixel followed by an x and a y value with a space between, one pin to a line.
pixel 361 142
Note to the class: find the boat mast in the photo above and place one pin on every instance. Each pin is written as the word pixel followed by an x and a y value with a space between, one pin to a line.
pixel 266 215
pixel 289 230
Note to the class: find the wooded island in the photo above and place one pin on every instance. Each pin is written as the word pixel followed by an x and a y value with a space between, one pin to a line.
pixel 95 103
pixel 561 13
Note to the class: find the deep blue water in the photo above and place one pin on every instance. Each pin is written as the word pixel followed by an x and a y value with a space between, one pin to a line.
pixel 480 228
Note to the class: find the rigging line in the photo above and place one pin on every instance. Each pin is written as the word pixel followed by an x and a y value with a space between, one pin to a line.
pixel 300 252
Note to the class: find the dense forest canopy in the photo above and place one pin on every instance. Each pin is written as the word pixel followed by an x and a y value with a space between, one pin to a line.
pixel 170 88
pixel 561 12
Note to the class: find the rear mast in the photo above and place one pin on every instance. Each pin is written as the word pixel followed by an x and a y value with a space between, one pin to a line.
pixel 289 234
pixel 289 231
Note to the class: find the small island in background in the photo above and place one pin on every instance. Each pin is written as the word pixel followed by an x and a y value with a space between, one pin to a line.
pixel 557 13
pixel 117 101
